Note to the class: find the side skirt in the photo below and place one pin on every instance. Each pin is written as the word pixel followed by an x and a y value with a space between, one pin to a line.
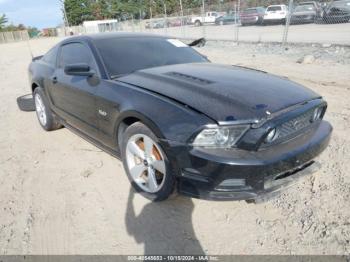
pixel 93 141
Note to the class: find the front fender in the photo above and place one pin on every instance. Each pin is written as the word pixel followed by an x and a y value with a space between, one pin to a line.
pixel 168 119
pixel 135 114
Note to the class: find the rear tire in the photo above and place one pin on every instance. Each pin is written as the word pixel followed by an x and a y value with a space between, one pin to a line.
pixel 146 163
pixel 197 23
pixel 46 118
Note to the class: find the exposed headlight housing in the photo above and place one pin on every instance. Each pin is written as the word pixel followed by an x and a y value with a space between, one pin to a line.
pixel 220 137
pixel 317 114
pixel 271 136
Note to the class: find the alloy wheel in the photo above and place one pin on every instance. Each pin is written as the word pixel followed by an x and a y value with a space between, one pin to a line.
pixel 40 109
pixel 146 163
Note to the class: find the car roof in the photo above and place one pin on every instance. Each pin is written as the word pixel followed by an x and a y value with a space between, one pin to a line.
pixel 101 36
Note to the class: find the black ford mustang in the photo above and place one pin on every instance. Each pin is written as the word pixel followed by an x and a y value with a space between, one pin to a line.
pixel 177 120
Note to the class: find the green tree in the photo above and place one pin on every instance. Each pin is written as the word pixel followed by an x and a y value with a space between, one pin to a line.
pixel 78 11
pixel 124 9
pixel 101 9
pixel 3 21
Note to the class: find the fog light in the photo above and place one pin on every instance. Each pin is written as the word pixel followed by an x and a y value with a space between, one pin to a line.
pixel 271 135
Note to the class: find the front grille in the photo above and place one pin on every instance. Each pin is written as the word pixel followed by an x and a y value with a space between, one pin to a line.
pixel 294 125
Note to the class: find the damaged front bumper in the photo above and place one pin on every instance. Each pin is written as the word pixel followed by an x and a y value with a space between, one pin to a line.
pixel 236 174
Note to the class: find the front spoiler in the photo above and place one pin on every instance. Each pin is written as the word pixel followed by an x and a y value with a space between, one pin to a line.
pixel 277 186
pixel 274 187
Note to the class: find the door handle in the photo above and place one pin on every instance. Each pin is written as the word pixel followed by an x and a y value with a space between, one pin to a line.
pixel 54 80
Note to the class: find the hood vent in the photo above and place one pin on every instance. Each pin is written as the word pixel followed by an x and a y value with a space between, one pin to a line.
pixel 189 78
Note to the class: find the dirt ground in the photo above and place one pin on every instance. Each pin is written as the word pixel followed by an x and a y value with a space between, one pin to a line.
pixel 61 195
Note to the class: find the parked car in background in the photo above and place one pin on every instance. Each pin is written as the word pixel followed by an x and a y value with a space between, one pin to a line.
pixel 252 16
pixel 209 17
pixel 316 5
pixel 229 18
pixel 337 12
pixel 303 14
pixel 175 22
pixel 155 24
pixel 275 14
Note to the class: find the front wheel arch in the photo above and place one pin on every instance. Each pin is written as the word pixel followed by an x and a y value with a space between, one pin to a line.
pixel 198 22
pixel 128 118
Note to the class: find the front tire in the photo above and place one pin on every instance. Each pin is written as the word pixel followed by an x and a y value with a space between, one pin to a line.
pixel 47 120
pixel 146 163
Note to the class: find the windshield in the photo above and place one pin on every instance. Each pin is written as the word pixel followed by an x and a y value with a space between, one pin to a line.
pixel 125 55
pixel 301 8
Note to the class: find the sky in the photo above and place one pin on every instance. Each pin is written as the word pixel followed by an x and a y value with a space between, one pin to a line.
pixel 35 13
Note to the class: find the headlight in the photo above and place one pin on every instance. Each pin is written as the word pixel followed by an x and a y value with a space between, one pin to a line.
pixel 220 137
pixel 317 114
pixel 271 135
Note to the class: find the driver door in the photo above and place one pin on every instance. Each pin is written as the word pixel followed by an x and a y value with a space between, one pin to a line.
pixel 74 96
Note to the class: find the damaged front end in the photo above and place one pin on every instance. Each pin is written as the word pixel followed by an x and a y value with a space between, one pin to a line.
pixel 259 165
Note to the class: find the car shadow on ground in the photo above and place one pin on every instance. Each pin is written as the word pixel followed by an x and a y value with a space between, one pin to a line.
pixel 164 227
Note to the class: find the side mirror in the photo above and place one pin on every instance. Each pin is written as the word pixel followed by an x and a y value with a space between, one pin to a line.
pixel 79 70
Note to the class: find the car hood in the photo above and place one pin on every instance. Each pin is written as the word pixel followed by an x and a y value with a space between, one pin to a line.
pixel 222 92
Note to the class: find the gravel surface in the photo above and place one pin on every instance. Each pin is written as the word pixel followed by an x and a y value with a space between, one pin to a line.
pixel 61 195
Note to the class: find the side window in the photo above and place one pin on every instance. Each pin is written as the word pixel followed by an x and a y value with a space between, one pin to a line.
pixel 50 56
pixel 76 53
